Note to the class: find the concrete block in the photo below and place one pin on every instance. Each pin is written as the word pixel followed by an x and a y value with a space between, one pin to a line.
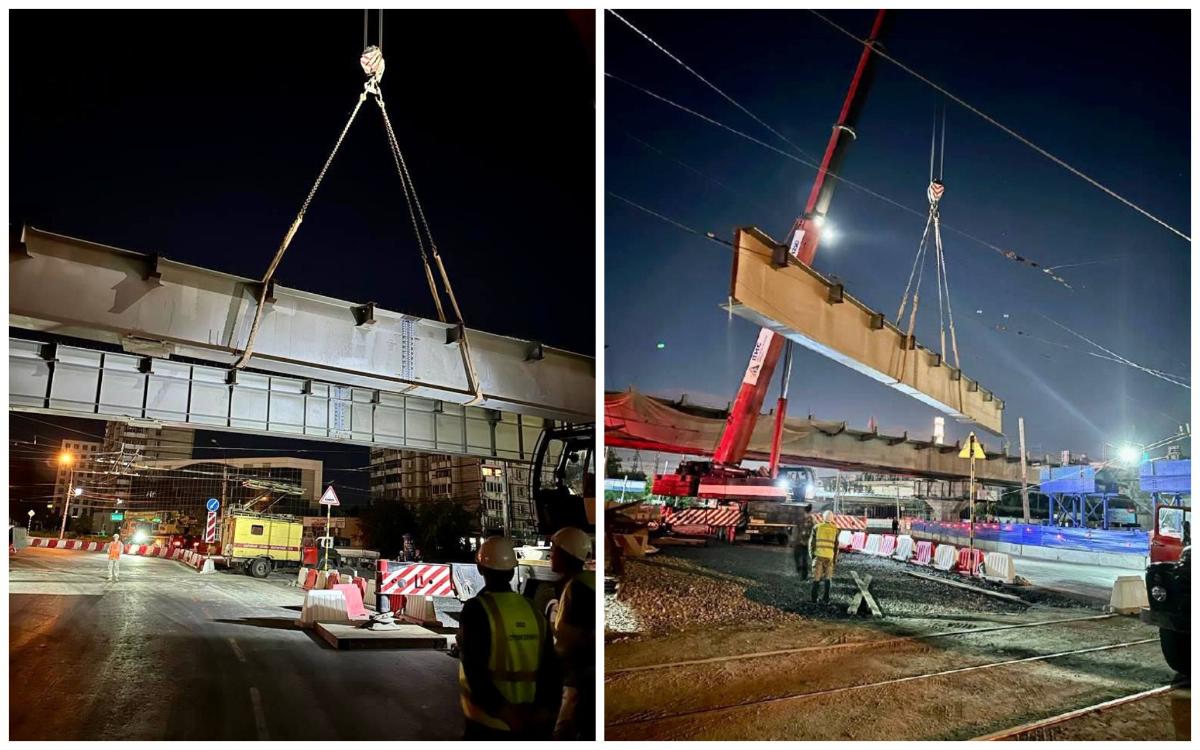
pixel 1129 595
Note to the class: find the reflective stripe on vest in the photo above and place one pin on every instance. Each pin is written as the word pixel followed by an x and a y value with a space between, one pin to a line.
pixel 826 541
pixel 518 637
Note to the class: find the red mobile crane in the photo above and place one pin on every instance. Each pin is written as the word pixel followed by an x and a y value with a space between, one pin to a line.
pixel 723 477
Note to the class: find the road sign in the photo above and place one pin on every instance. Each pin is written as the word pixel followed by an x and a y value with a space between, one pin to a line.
pixel 210 528
pixel 973 448
pixel 213 505
pixel 31 514
pixel 330 497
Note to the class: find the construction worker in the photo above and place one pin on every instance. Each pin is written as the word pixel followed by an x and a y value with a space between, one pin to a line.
pixel 801 531
pixel 114 558
pixel 507 674
pixel 823 548
pixel 573 625
pixel 409 552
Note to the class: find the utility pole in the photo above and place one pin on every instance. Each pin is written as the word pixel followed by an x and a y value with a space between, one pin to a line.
pixel 1024 476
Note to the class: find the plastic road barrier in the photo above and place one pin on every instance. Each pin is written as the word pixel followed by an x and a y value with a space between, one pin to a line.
pixel 844 538
pixel 858 541
pixel 945 557
pixel 887 545
pixel 998 566
pixel 904 548
pixel 970 561
pixel 872 545
pixel 323 606
pixel 924 554
pixel 1129 595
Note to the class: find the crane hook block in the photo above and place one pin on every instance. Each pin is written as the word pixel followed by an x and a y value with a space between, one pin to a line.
pixel 372 62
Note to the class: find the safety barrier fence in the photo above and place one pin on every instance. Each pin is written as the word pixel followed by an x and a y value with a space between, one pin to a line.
pixel 994 566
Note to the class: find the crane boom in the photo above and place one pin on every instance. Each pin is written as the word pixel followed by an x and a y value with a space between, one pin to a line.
pixel 803 239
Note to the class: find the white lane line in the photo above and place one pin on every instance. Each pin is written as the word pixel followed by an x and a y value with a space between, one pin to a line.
pixel 237 650
pixel 260 719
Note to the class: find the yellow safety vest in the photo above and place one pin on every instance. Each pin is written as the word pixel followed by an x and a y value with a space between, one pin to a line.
pixel 518 637
pixel 587 579
pixel 825 544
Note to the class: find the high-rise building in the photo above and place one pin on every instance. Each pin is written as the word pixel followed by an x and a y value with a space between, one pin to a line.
pixel 83 463
pixel 127 444
pixel 480 486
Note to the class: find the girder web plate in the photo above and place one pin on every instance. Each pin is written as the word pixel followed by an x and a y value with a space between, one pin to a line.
pixel 795 301
pixel 60 379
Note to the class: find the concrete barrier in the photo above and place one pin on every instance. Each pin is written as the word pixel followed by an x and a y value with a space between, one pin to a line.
pixel 998 566
pixel 945 557
pixel 1129 595
pixel 871 547
pixel 904 548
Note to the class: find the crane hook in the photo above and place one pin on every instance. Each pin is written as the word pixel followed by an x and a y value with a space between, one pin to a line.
pixel 372 65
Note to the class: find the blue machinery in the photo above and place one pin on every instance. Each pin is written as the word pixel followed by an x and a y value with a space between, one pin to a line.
pixel 1081 497
pixel 1168 482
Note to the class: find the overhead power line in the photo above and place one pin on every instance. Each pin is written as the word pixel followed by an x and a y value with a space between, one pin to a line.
pixel 710 84
pixel 1004 128
pixel 1006 254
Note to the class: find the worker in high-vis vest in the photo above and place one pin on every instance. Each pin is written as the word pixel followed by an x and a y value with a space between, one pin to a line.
pixel 507 676
pixel 823 548
pixel 114 558
pixel 573 624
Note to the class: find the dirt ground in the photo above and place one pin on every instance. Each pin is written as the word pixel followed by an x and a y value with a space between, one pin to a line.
pixel 1162 717
pixel 686 605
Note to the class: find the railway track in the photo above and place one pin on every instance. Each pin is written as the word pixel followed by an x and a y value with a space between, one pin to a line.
pixel 1053 727
pixel 614 673
pixel 648 719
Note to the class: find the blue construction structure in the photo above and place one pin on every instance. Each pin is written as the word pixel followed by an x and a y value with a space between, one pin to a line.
pixel 1082 497
pixel 1168 482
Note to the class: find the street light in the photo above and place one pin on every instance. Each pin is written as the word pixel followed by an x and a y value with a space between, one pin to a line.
pixel 67 460
pixel 1129 454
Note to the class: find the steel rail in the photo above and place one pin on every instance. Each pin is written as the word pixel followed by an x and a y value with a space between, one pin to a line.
pixel 840 646
pixel 1013 733
pixel 869 685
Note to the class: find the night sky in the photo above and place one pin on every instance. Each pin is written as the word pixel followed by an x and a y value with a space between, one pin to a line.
pixel 196 135
pixel 1106 91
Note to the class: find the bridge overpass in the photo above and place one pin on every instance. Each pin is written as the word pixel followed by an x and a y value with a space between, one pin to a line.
pixel 635 420
pixel 101 332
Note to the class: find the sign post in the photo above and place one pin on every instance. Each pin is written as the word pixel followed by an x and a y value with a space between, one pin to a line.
pixel 210 527
pixel 329 499
pixel 972 450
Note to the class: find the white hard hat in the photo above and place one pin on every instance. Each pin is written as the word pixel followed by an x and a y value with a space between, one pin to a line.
pixel 496 553
pixel 828 516
pixel 575 542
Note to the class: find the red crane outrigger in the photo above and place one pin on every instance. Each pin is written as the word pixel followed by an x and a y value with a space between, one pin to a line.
pixel 723 477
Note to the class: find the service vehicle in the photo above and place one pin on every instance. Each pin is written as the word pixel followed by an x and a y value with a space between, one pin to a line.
pixel 258 543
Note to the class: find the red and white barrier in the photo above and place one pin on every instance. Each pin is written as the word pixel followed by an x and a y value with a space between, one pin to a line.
pixel 853 523
pixel 75 544
pixel 887 545
pixel 858 541
pixel 970 561
pixel 924 554
pixel 415 579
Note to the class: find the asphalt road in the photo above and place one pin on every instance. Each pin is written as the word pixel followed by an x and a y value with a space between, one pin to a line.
pixel 169 654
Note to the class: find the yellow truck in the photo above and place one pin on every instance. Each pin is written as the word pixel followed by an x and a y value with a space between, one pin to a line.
pixel 260 542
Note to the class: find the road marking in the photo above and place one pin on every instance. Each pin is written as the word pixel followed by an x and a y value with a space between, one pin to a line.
pixel 237 651
pixel 260 719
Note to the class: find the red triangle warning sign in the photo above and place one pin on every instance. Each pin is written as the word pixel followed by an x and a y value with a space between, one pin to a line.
pixel 330 497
